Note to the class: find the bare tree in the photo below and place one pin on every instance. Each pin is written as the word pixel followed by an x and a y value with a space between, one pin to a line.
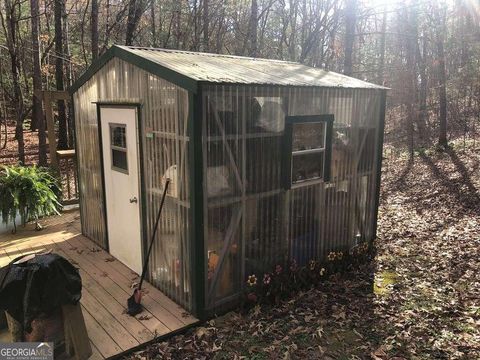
pixel 350 22
pixel 37 112
pixel 153 22
pixel 383 38
pixel 135 10
pixel 62 116
pixel 206 20
pixel 441 73
pixel 94 29
pixel 423 90
pixel 9 24
pixel 252 38
pixel 410 40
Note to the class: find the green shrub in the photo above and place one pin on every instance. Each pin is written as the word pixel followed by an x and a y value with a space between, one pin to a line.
pixel 30 191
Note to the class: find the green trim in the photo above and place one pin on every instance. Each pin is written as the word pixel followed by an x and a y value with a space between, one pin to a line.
pixel 287 155
pixel 327 167
pixel 102 172
pixel 150 66
pixel 288 139
pixel 143 187
pixel 380 135
pixel 198 273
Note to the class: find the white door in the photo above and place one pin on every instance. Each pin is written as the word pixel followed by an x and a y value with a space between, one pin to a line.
pixel 120 162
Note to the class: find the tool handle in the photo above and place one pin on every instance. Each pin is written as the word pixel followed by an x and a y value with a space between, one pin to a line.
pixel 145 265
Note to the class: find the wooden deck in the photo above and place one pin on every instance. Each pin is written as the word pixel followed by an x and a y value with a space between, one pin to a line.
pixel 106 287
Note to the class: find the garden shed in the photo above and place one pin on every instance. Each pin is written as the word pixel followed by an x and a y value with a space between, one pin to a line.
pixel 269 161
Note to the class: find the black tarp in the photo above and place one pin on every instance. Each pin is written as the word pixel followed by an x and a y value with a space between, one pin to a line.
pixel 39 285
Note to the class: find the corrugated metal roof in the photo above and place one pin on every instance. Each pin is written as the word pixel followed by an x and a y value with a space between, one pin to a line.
pixel 215 68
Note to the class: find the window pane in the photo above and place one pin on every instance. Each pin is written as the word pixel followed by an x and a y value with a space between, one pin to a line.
pixel 119 159
pixel 307 167
pixel 118 136
pixel 308 136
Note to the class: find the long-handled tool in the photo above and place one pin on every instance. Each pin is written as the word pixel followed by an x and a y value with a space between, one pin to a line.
pixel 134 305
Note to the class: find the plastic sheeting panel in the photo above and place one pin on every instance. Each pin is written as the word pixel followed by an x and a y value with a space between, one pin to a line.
pixel 163 124
pixel 259 224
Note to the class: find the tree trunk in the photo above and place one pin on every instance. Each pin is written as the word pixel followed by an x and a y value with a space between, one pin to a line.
pixel 37 112
pixel 68 78
pixel 205 26
pixel 220 33
pixel 442 76
pixel 62 118
pixel 292 51
pixel 135 11
pixel 94 29
pixel 422 94
pixel 381 64
pixel 252 29
pixel 196 25
pixel 10 28
pixel 153 23
pixel 130 22
pixel 442 94
pixel 411 76
pixel 350 22
pixel 107 25
pixel 221 29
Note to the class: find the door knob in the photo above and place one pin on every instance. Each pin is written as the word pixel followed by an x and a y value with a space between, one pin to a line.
pixel 133 200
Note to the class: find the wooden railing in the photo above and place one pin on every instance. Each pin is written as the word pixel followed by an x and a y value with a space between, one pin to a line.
pixel 68 174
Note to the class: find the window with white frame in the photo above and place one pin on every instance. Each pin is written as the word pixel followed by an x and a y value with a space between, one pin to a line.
pixel 308 147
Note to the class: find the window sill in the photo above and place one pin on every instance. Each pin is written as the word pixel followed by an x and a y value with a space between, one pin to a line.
pixel 304 183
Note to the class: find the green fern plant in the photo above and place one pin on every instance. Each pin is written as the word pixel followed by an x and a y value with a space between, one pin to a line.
pixel 29 191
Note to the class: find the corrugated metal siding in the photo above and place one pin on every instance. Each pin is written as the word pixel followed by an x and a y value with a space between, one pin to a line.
pixel 164 115
pixel 216 68
pixel 251 222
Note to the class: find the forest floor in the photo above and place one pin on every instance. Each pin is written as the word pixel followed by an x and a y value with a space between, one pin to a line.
pixel 9 153
pixel 419 298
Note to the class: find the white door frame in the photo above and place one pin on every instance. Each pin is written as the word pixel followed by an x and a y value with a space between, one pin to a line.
pixel 141 189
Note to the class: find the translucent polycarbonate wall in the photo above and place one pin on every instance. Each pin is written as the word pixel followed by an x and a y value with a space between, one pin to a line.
pixel 89 165
pixel 164 138
pixel 251 221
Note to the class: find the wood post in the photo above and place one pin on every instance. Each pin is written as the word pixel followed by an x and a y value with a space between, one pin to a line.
pixel 52 142
pixel 48 97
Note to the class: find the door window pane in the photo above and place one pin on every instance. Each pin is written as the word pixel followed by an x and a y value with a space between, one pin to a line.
pixel 118 146
pixel 118 136
pixel 119 160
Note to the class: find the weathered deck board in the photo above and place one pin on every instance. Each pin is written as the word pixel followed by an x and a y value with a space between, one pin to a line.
pixel 106 286
pixel 126 277
pixel 92 271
